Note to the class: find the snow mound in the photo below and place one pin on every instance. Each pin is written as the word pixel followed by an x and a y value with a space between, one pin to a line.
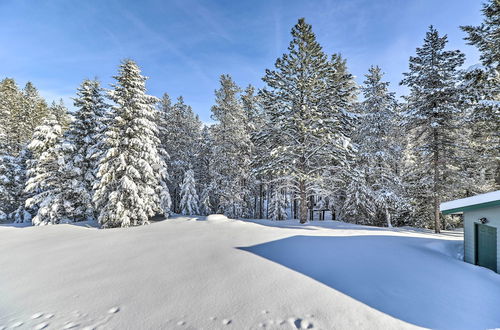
pixel 217 217
pixel 452 249
pixel 355 277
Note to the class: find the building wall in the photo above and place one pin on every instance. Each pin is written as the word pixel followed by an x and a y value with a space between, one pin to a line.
pixel 471 217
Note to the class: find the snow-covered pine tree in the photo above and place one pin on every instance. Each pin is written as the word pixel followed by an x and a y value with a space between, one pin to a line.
pixel 180 132
pixel 61 113
pixel 255 120
pixel 304 130
pixel 277 204
pixel 131 173
pixel 189 197
pixel 341 101
pixel 205 206
pixel 482 91
pixel 10 107
pixel 7 185
pixel 32 113
pixel 232 150
pixel 44 180
pixel 10 102
pixel 202 171
pixel 433 111
pixel 378 152
pixel 83 148
pixel 359 205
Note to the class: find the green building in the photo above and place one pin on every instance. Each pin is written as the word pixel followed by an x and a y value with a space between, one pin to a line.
pixel 481 215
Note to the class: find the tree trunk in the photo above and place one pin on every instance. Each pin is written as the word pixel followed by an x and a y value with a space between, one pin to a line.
pixel 303 202
pixel 437 225
pixel 261 202
pixel 294 206
pixel 388 218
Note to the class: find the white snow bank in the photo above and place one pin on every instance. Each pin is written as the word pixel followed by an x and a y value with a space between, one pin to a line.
pixel 217 217
pixel 184 274
pixel 473 200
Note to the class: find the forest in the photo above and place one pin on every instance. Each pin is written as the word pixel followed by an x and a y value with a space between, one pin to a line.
pixel 311 144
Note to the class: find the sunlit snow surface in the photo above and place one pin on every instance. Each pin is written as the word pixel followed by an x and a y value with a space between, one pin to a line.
pixel 217 273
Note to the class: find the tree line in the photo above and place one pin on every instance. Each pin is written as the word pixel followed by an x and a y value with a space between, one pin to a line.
pixel 311 144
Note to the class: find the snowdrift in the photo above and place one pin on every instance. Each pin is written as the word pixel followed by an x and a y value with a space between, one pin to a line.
pixel 222 273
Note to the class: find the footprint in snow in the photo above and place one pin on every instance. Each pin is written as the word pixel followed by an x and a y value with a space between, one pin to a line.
pixel 300 323
pixel 36 316
pixel 49 316
pixel 226 321
pixel 181 323
pixel 70 325
pixel 114 310
pixel 41 326
pixel 213 318
pixel 16 325
pixel 265 312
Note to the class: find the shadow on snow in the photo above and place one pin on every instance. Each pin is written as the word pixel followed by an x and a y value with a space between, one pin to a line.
pixel 412 279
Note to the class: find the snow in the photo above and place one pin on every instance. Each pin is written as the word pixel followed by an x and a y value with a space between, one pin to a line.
pixel 478 199
pixel 475 67
pixel 231 274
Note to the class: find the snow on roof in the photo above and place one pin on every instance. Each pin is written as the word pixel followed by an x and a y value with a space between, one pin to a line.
pixel 469 201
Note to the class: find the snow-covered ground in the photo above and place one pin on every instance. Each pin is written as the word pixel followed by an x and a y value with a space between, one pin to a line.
pixel 215 273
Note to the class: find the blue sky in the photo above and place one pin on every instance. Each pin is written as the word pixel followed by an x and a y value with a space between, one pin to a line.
pixel 184 45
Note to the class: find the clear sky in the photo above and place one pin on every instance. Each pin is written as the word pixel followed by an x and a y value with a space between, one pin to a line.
pixel 184 45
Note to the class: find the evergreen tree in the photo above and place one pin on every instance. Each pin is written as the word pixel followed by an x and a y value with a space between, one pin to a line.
pixel 277 204
pixel 180 132
pixel 44 179
pixel 189 197
pixel 202 169
pixel 7 185
pixel 231 151
pixel 83 148
pixel 255 121
pixel 205 206
pixel 132 172
pixel 482 91
pixel 304 131
pixel 10 103
pixel 378 153
pixel 18 173
pixel 32 113
pixel 61 113
pixel 433 111
pixel 10 108
pixel 359 205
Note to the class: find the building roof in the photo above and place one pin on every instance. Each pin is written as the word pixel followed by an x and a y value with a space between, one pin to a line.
pixel 471 203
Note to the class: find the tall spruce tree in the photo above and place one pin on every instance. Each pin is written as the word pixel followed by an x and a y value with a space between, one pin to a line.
pixel 202 169
pixel 10 107
pixel 432 116
pixel 482 91
pixel 33 112
pixel 251 106
pixel 132 172
pixel 181 129
pixel 189 197
pixel 83 148
pixel 304 130
pixel 378 154
pixel 44 176
pixel 10 103
pixel 232 150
